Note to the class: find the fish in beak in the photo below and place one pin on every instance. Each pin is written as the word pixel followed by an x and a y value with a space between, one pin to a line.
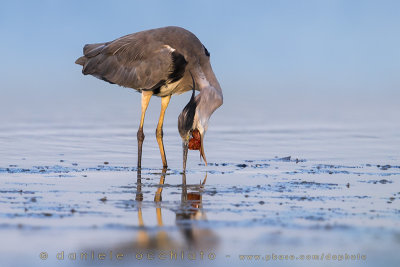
pixel 196 143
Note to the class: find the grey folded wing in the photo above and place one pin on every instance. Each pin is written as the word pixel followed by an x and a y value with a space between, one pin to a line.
pixel 133 62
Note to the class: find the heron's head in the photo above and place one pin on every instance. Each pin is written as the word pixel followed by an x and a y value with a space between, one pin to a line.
pixel 192 129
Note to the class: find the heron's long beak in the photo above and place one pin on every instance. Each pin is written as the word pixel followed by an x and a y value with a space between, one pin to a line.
pixel 202 149
pixel 185 145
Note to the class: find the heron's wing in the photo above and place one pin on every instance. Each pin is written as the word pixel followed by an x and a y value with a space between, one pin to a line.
pixel 133 61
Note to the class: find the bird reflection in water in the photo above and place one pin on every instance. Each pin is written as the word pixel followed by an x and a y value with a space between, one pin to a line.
pixel 188 216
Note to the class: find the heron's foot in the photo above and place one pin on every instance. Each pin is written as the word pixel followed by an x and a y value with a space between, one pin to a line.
pixel 139 197
pixel 165 164
pixel 158 197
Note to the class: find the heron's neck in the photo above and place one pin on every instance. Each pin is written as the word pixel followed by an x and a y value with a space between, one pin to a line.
pixel 207 102
pixel 206 78
pixel 210 96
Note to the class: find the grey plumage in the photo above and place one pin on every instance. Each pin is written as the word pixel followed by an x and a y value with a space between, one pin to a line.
pixel 145 60
pixel 163 61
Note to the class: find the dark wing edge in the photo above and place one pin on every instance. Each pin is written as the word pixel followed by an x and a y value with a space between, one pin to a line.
pixel 178 67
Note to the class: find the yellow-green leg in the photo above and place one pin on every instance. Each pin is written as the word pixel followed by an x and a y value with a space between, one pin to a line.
pixel 146 95
pixel 159 130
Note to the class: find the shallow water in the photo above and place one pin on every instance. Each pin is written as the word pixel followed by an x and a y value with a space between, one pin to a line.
pixel 285 188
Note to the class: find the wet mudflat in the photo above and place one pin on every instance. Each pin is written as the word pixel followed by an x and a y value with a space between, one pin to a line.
pixel 289 190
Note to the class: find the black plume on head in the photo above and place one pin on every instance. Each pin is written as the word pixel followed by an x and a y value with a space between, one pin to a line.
pixel 185 120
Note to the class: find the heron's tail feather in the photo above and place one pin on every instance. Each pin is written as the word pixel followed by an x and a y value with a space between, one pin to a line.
pixel 81 61
pixel 92 50
pixel 89 51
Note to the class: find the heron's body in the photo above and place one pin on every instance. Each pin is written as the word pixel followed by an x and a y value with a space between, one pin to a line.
pixel 161 62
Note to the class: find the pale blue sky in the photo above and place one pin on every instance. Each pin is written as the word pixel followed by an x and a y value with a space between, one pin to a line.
pixel 264 51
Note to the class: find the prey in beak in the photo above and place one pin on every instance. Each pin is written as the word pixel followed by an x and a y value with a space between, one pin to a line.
pixel 196 143
pixel 193 142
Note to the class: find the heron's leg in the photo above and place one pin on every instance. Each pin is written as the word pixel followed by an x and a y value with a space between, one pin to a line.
pixel 159 130
pixel 142 236
pixel 146 95
pixel 157 197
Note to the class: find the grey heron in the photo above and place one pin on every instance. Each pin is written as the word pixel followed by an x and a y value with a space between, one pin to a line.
pixel 161 62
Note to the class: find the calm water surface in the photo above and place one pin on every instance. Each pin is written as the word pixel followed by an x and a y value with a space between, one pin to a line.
pixel 281 188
